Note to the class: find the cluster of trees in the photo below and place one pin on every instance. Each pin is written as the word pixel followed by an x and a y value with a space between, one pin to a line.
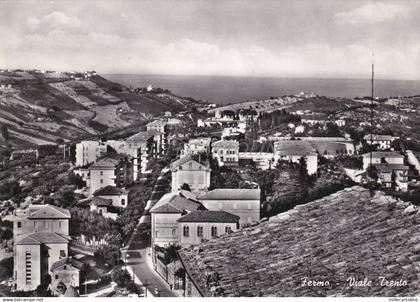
pixel 276 118
pixel 123 279
pixel 294 186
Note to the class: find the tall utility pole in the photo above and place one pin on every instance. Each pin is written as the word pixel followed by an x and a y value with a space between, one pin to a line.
pixel 371 109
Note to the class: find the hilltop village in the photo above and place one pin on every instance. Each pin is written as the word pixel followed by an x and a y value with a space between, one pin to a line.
pixel 210 200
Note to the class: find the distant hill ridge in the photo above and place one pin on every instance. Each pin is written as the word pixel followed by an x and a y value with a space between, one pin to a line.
pixel 40 107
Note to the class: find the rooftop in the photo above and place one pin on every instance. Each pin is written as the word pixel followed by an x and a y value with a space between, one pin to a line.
pixel 142 137
pixel 226 144
pixel 109 160
pixel 209 216
pixel 230 194
pixel 101 202
pixel 41 238
pixel 380 137
pixel 156 123
pixel 66 261
pixel 172 203
pixel 109 191
pixel 43 211
pixel 346 234
pixel 380 154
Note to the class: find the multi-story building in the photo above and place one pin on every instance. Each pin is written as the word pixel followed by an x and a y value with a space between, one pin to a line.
pixel 165 213
pixel 197 145
pixel 294 150
pixel 193 173
pixel 65 272
pixel 382 141
pixel 392 172
pixel 110 170
pixel 162 127
pixel 381 157
pixel 41 239
pixel 226 152
pixel 88 152
pixel 200 225
pixel 244 203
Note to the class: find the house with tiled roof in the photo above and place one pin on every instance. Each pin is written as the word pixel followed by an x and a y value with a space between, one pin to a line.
pixel 294 150
pixel 118 196
pixel 110 170
pixel 41 238
pixel 390 167
pixel 164 216
pixel 191 172
pixel 200 225
pixel 65 271
pixel 244 203
pixel 226 152
pixel 196 146
pixel 325 248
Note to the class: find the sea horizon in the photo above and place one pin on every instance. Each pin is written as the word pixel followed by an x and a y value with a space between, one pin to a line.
pixel 222 89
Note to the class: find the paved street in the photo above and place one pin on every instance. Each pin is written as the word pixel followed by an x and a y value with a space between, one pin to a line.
pixel 138 248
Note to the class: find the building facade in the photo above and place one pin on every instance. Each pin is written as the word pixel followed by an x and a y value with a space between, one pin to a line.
pixel 188 171
pixel 226 152
pixel 244 203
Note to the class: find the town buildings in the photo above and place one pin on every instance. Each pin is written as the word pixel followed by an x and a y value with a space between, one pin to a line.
pixel 110 170
pixel 382 141
pixel 196 146
pixel 244 203
pixel 390 167
pixel 193 173
pixel 226 152
pixel 200 225
pixel 319 241
pixel 41 235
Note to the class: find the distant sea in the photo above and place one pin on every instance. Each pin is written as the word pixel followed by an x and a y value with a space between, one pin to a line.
pixel 226 89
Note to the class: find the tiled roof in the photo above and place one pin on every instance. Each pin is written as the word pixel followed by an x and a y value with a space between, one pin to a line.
pixel 209 216
pixel 142 137
pixel 230 194
pixel 98 201
pixel 109 191
pixel 183 160
pixel 109 160
pixel 172 203
pixel 228 144
pixel 380 154
pixel 66 261
pixel 39 238
pixel 42 211
pixel 347 234
pixel 157 123
pixel 294 148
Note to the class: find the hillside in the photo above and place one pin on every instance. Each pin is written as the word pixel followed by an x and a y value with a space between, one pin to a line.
pixel 43 107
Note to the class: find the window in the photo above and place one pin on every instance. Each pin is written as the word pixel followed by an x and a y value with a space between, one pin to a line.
pixel 123 201
pixel 173 232
pixel 157 234
pixel 101 181
pixel 214 231
pixel 186 231
pixel 56 277
pixel 102 173
pixel 228 229
pixel 221 151
pixel 60 224
pixel 200 231
pixel 19 224
pixel 63 254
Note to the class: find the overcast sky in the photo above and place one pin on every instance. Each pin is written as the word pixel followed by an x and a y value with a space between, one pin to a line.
pixel 326 38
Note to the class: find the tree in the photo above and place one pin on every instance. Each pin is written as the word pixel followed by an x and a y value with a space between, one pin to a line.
pixel 121 277
pixel 185 187
pixel 5 132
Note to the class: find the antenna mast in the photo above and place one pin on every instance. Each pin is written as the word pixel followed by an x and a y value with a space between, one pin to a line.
pixel 371 108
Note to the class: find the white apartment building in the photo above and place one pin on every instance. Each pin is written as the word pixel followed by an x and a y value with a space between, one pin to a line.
pixel 197 145
pixel 188 171
pixel 226 152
